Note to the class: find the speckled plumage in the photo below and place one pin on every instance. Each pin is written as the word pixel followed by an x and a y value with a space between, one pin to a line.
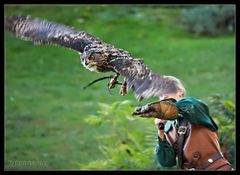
pixel 95 54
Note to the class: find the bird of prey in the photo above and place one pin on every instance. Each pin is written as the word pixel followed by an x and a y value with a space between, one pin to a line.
pixel 95 55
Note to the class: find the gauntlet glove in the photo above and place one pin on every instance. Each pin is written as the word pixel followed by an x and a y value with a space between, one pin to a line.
pixel 164 109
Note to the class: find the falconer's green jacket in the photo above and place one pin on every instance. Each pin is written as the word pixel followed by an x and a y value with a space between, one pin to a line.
pixel 196 112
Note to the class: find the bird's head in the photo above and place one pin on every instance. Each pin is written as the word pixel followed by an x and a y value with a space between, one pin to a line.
pixel 89 61
pixel 95 58
pixel 92 60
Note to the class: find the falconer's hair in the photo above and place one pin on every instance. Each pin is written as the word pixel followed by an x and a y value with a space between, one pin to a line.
pixel 174 84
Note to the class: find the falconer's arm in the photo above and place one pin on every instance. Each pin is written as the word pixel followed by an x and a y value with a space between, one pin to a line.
pixel 164 152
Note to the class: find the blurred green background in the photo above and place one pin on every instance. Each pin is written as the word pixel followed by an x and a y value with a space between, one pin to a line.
pixel 45 105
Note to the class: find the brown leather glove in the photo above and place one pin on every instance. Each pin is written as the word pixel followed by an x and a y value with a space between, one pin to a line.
pixel 162 109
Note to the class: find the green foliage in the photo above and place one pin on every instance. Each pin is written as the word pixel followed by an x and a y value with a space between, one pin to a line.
pixel 209 20
pixel 223 113
pixel 129 141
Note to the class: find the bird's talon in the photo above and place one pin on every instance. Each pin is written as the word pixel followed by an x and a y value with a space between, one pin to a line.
pixel 123 89
pixel 111 84
pixel 113 81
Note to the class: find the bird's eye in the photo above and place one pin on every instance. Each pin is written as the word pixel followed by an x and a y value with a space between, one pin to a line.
pixel 90 58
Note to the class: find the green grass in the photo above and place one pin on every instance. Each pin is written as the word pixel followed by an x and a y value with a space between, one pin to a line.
pixel 45 105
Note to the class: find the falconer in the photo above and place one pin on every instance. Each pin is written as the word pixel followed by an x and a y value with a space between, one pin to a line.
pixel 185 130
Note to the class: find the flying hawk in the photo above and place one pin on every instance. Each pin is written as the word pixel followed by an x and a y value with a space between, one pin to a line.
pixel 95 55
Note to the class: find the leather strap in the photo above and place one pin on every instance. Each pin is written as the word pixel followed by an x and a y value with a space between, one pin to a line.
pixel 182 130
pixel 192 165
pixel 211 160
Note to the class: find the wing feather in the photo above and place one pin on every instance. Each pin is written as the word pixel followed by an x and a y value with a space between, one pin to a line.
pixel 141 79
pixel 44 32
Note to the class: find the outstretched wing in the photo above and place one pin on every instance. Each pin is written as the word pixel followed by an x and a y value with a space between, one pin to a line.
pixel 141 79
pixel 43 32
pixel 96 55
